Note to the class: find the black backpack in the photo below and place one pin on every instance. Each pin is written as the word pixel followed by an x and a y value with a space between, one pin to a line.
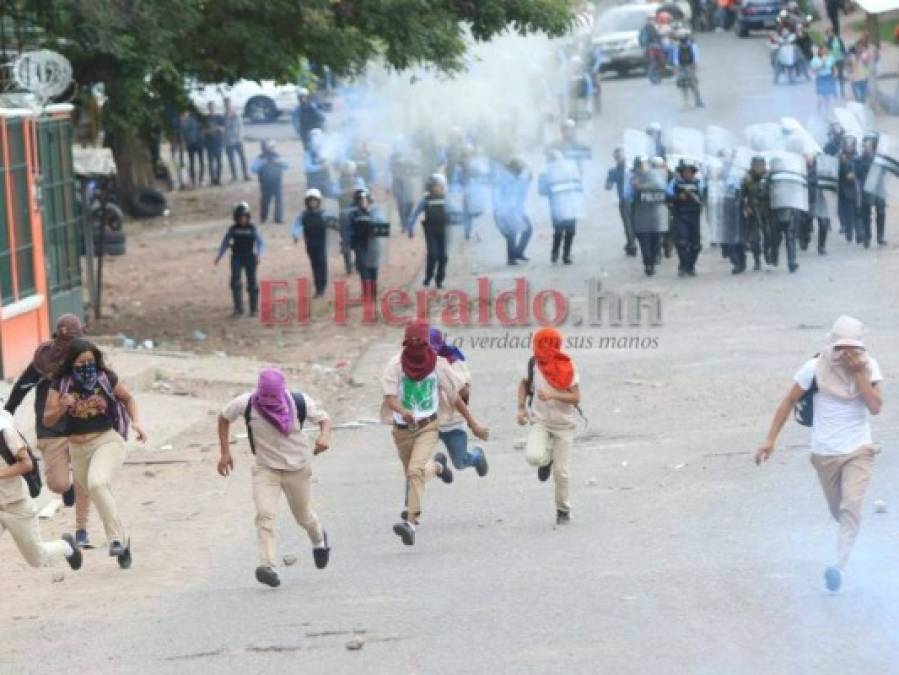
pixel 298 400
pixel 32 478
pixel 529 387
pixel 804 410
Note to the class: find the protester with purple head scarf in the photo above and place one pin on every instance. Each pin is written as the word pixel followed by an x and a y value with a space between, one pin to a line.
pixel 452 431
pixel 274 416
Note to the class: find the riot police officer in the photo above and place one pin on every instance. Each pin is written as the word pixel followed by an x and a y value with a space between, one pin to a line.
pixel 561 185
pixel 645 191
pixel 617 177
pixel 756 211
pixel 366 244
pixel 788 193
pixel 433 206
pixel 246 250
pixel 849 195
pixel 348 182
pixel 870 200
pixel 685 193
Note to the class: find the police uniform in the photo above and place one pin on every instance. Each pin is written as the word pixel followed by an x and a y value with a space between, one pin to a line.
pixel 649 213
pixel 367 248
pixel 561 185
pixel 246 246
pixel 756 216
pixel 686 207
pixel 315 237
pixel 868 202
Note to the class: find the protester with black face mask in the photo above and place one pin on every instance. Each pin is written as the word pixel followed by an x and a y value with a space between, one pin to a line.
pixel 97 409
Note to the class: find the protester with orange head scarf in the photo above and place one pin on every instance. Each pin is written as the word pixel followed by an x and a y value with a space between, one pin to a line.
pixel 548 398
pixel 419 388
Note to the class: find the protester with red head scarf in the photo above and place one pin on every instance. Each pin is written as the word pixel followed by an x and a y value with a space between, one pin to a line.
pixel 274 416
pixel 53 442
pixel 452 432
pixel 548 398
pixel 419 389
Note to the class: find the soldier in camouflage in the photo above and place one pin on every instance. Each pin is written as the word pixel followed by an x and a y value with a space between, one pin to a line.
pixel 756 211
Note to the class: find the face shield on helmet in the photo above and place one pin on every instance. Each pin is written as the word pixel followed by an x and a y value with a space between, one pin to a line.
pixel 241 210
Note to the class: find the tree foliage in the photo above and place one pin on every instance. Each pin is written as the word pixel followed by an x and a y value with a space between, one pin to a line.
pixel 143 51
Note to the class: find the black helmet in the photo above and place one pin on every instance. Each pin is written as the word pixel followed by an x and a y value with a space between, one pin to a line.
pixel 757 160
pixel 359 194
pixel 241 209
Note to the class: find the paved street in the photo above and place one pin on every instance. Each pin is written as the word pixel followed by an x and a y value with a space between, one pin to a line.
pixel 682 556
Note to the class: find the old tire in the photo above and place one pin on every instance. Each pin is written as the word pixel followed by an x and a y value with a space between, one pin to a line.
pixel 111 217
pixel 148 203
pixel 261 109
pixel 113 243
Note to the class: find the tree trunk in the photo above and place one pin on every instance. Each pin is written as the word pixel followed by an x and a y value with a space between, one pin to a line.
pixel 133 166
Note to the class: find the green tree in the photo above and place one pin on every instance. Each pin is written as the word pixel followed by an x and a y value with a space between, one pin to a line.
pixel 143 50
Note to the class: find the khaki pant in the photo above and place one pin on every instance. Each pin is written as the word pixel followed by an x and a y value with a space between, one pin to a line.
pixel 844 479
pixel 95 463
pixel 20 519
pixel 268 484
pixel 415 449
pixel 58 472
pixel 547 445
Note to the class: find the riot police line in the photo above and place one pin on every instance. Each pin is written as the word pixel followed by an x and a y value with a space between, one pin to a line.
pixel 768 192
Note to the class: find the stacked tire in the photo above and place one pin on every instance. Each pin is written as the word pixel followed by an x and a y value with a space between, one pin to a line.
pixel 111 220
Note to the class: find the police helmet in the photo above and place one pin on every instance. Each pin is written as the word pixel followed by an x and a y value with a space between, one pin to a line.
pixel 359 194
pixel 313 193
pixel 756 161
pixel 302 91
pixel 836 129
pixel 241 209
pixel 686 163
pixel 653 128
pixel 638 162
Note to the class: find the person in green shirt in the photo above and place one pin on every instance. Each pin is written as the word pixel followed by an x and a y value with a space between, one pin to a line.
pixel 837 49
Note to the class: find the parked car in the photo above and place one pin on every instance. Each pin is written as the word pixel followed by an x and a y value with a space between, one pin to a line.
pixel 756 15
pixel 616 33
pixel 260 101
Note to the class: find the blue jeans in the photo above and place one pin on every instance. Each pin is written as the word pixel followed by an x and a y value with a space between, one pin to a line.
pixel 456 442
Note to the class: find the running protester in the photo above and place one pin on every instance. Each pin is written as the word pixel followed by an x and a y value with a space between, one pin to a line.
pixel 548 398
pixel 17 511
pixel 274 417
pixel 52 441
pixel 97 409
pixel 418 387
pixel 453 433
pixel 844 386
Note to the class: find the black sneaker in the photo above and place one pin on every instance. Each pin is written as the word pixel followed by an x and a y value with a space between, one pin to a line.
pixel 567 261
pixel 404 514
pixel 116 549
pixel 481 465
pixel 82 539
pixel 125 558
pixel 793 267
pixel 446 473
pixel 68 497
pixel 266 575
pixel 833 579
pixel 522 258
pixel 544 472
pixel 321 554
pixel 563 517
pixel 406 532
pixel 75 559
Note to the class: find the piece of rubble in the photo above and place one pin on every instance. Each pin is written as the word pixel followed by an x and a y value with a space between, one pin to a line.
pixel 49 509
pixel 592 482
pixel 290 559
pixel 168 447
pixel 880 506
pixel 355 644
pixel 58 576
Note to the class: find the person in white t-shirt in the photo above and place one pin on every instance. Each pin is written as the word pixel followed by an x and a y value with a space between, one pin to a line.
pixel 846 388
pixel 548 399
pixel 274 416
pixel 420 389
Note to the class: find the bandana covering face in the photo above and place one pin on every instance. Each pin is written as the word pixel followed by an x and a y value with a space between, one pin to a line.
pixel 85 376
pixel 418 359
pixel 50 355
pixel 554 364
pixel 449 352
pixel 272 400
pixel 832 375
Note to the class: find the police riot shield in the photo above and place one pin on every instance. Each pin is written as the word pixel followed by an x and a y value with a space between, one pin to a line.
pixel 564 190
pixel 850 124
pixel 797 139
pixel 686 143
pixel 719 142
pixel 724 198
pixel 827 172
pixel 742 160
pixel 864 116
pixel 714 181
pixel 788 180
pixel 636 143
pixel 764 137
pixel 650 202
pixel 885 165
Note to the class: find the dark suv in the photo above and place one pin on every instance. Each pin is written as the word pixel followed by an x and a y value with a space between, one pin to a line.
pixel 756 14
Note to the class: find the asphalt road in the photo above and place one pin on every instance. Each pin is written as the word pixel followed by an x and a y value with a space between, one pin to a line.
pixel 682 556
